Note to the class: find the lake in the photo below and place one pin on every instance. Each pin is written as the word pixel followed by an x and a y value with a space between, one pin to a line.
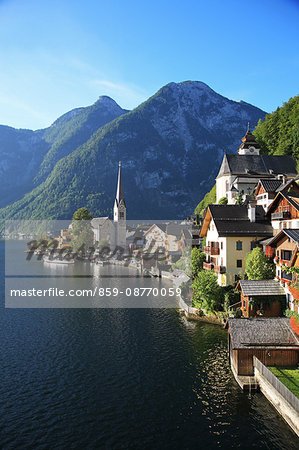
pixel 123 378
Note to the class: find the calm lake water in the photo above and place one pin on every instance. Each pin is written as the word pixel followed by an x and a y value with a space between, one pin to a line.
pixel 124 378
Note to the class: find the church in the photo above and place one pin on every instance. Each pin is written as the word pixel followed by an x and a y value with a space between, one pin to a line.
pixel 241 172
pixel 114 232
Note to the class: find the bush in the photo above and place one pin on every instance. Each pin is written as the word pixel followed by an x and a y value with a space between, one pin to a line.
pixel 223 201
pixel 198 258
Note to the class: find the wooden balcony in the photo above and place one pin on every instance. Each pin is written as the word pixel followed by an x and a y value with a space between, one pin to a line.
pixel 219 269
pixel 211 250
pixel 208 266
pixel 281 215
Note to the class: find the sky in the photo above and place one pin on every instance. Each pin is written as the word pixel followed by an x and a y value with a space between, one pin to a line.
pixel 59 55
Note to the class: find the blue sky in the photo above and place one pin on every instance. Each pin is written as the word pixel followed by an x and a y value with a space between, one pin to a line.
pixel 58 55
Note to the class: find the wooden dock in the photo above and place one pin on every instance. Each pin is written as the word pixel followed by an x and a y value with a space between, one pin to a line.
pixel 246 383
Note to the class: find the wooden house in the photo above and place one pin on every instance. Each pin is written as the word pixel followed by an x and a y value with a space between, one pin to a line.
pixel 284 211
pixel 286 247
pixel 261 298
pixel 268 188
pixel 271 340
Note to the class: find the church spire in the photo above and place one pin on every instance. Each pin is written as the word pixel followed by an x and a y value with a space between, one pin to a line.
pixel 119 190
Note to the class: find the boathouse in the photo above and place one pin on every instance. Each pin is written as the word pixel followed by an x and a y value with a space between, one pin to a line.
pixel 271 340
pixel 261 298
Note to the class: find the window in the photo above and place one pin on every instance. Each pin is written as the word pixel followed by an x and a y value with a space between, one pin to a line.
pixel 221 245
pixel 286 255
pixel 121 214
pixel 239 262
pixel 239 245
pixel 252 245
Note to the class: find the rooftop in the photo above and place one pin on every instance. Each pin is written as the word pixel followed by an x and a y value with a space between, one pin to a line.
pixel 259 288
pixel 289 232
pixel 256 165
pixel 261 332
pixel 271 184
pixel 232 220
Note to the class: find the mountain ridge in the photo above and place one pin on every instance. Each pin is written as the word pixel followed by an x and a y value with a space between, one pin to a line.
pixel 170 147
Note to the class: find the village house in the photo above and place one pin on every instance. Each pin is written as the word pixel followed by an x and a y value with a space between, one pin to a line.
pixel 271 340
pixel 286 247
pixel 171 238
pixel 231 232
pixel 103 229
pixel 284 211
pixel 268 188
pixel 261 298
pixel 241 172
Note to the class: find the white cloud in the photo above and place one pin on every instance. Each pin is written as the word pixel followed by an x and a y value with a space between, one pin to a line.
pixel 127 95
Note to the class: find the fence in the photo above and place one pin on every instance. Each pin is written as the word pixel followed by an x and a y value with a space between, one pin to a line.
pixel 277 384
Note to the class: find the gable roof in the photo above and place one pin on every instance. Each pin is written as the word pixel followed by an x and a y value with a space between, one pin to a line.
pixel 261 332
pixel 291 197
pixel 260 288
pixel 270 184
pixel 289 232
pixel 162 227
pixel 232 220
pixel 287 185
pixel 255 165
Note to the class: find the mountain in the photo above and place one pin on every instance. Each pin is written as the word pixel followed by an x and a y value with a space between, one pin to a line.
pixel 170 147
pixel 27 157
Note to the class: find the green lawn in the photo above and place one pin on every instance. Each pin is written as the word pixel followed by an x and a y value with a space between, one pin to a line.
pixel 288 376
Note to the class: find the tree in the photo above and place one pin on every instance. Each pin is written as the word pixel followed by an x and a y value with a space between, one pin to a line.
pixel 83 237
pixel 207 294
pixel 198 258
pixel 223 201
pixel 258 267
pixel 82 214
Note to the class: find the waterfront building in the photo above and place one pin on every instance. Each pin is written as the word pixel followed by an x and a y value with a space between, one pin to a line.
pixel 271 340
pixel 231 232
pixel 261 298
pixel 241 172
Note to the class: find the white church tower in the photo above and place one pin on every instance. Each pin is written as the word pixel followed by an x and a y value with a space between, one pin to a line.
pixel 119 213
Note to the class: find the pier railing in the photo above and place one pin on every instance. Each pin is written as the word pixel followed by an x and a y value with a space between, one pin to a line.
pixel 277 384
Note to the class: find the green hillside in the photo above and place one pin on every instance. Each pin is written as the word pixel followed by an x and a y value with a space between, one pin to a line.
pixel 278 134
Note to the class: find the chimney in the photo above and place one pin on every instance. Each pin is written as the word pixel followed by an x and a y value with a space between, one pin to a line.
pixel 251 211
